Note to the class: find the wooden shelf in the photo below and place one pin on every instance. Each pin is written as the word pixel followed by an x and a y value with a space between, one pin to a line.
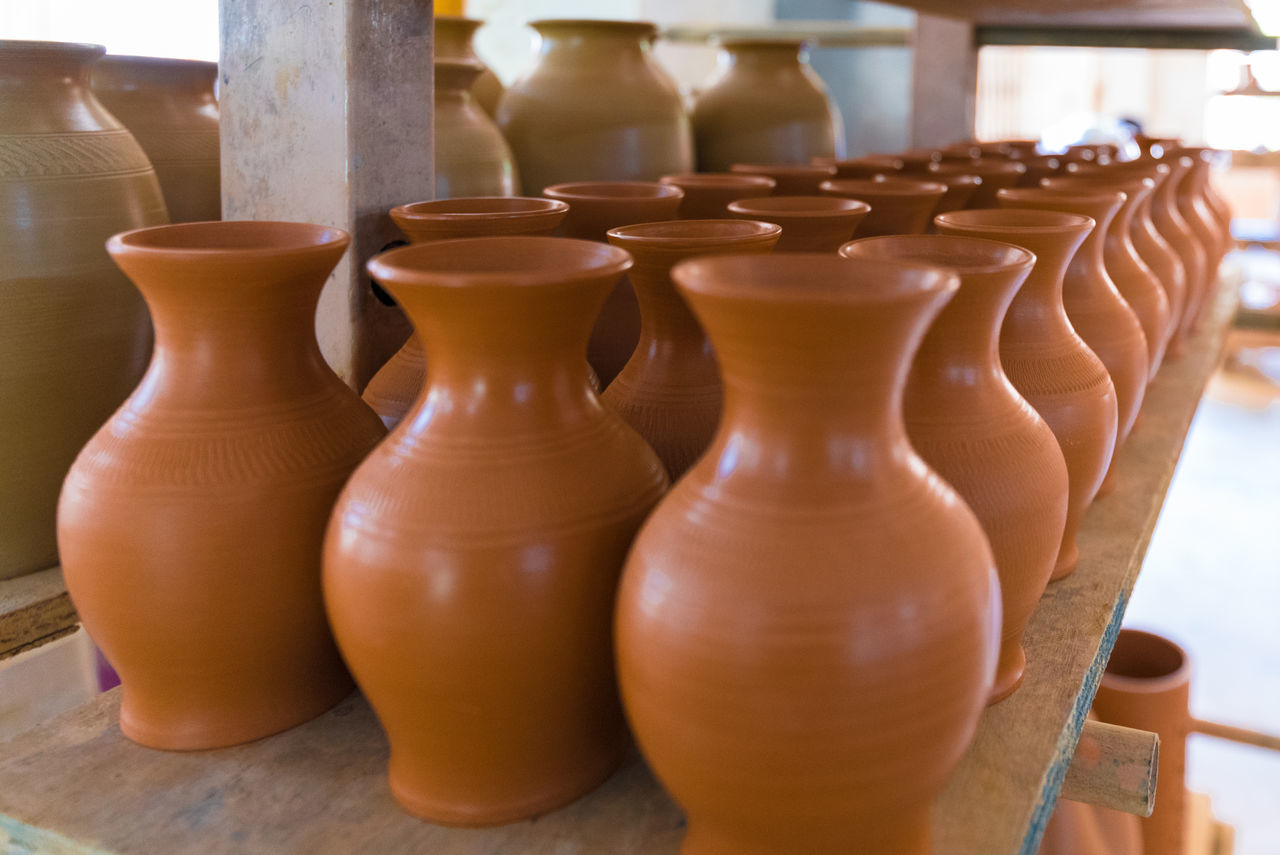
pixel 76 785
pixel 34 609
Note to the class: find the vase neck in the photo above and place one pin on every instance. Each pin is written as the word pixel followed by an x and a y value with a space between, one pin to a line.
pixel 961 350
pixel 771 57
pixel 582 49
pixel 44 88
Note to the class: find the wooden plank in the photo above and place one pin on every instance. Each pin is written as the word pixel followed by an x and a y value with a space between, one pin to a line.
pixel 1114 767
pixel 321 788
pixel 34 609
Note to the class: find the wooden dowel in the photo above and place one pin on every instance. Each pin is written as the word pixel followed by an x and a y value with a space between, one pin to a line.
pixel 1114 767
pixel 1236 734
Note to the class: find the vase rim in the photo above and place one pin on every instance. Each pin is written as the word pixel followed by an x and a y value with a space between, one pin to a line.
pixel 1162 664
pixel 946 251
pixel 1073 181
pixel 897 187
pixel 641 29
pixel 782 40
pixel 241 239
pixel 811 277
pixel 465 209
pixel 613 190
pixel 1049 194
pixel 865 160
pixel 500 262
pixel 166 62
pixel 763 207
pixel 978 166
pixel 695 233
pixel 789 169
pixel 718 179
pixel 81 55
pixel 1017 220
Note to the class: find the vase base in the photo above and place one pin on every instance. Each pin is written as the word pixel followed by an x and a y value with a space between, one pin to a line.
pixel 1068 558
pixel 1009 678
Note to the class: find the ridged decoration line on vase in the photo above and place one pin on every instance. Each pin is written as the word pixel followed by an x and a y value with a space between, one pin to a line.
pixel 168 105
pixel 708 194
pixel 762 610
pixel 1046 360
pixel 809 223
pixel 899 206
pixel 790 179
pixel 1097 309
pixel 472 560
pixel 972 427
pixel 74 334
pixel 765 105
pixel 669 390
pixel 595 106
pixel 454 35
pixel 392 391
pixel 191 524
pixel 471 157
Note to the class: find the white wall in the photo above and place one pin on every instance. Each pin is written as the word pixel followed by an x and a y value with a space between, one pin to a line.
pixel 187 29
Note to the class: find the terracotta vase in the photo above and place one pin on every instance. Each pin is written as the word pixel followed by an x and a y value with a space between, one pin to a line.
pixel 777 708
pixel 1021 149
pixel 961 152
pixel 809 223
pixel 960 191
pixel 392 391
pixel 594 208
pixel 1098 312
pixel 996 175
pixel 1216 205
pixel 789 179
pixel 916 160
pixel 1136 281
pixel 191 525
pixel 1039 168
pixel 74 336
pixel 766 105
pixel 669 390
pixel 862 167
pixel 1175 229
pixel 169 107
pixel 1046 360
pixel 472 560
pixel 595 107
pixel 1203 224
pixel 1147 685
pixel 471 157
pixel 1080 829
pixel 899 206
pixel 453 40
pixel 708 194
pixel 971 426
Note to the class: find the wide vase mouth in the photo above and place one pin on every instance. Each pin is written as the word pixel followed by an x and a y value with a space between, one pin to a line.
pixel 230 238
pixel 883 188
pixel 982 167
pixel 965 255
pixel 1028 221
pixel 1143 662
pixel 886 164
pixel 17 51
pixel 1070 196
pixel 785 170
pixel 1088 184
pixel 720 181
pixel 557 27
pixel 476 209
pixel 695 233
pixel 500 262
pixel 798 207
pixel 584 190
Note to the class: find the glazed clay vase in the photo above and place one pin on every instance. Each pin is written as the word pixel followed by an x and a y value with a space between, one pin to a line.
pixel 595 107
pixel 996 175
pixel 708 194
pixel 74 335
pixel 392 391
pixel 1045 359
pixel 191 525
pixel 1147 685
pixel 472 560
pixel 594 208
pixel 780 708
pixel 471 157
pixel 899 206
pixel 790 179
pixel 453 40
pixel 809 223
pixel 766 105
pixel 1136 281
pixel 669 390
pixel 168 106
pixel 1098 312
pixel 862 167
pixel 972 427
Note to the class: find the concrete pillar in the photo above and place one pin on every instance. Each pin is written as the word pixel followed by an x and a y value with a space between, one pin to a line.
pixel 944 81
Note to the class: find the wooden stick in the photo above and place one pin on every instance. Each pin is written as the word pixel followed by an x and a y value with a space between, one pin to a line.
pixel 1236 734
pixel 1114 767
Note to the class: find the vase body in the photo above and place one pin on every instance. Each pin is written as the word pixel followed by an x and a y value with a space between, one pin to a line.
pixel 74 335
pixel 1203 224
pixel 899 206
pixel 1097 310
pixel 453 40
pixel 809 223
pixel 708 194
pixel 971 426
pixel 1046 360
pixel 392 391
pixel 773 706
pixel 168 105
pixel 191 524
pixel 766 105
pixel 471 157
pixel 472 560
pixel 595 107
pixel 669 390
pixel 790 179
pixel 1147 685
pixel 594 208
pixel 1177 232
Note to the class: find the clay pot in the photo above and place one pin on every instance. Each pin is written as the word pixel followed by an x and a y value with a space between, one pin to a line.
pixel 766 105
pixel 472 560
pixel 962 152
pixel 1080 829
pixel 168 106
pixel 1045 359
pixel 773 705
pixel 191 525
pixel 708 194
pixel 595 106
pixel 1039 168
pixel 472 158
pixel 969 423
pixel 74 335
pixel 996 175
pixel 1136 281
pixel 789 179
pixel 1098 312
pixel 594 208
pixel 862 167
pixel 899 206
pixel 453 40
pixel 809 223
pixel 669 390
pixel 392 391
pixel 1147 685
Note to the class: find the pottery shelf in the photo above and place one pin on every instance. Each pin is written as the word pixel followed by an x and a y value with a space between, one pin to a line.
pixel 34 610
pixel 76 785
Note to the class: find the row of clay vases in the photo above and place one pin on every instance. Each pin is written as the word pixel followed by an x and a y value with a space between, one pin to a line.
pixel 1193 198
pixel 471 157
pixel 453 41
pixel 74 336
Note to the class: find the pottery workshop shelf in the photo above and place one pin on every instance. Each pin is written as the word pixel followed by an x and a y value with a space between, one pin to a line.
pixel 76 785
